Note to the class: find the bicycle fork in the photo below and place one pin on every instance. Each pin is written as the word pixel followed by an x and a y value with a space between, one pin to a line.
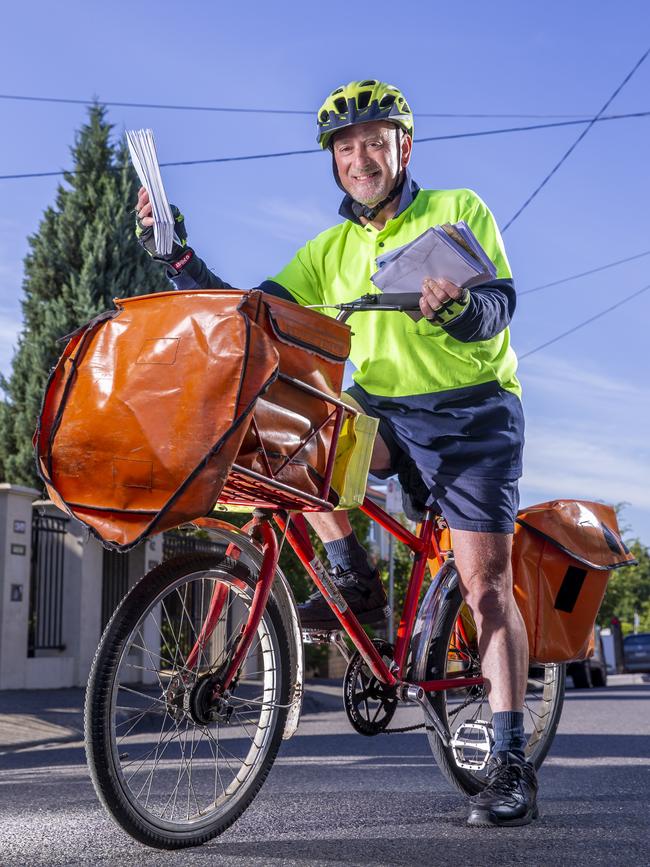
pixel 271 553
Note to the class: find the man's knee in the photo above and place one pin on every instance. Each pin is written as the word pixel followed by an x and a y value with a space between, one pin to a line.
pixel 484 565
pixel 488 590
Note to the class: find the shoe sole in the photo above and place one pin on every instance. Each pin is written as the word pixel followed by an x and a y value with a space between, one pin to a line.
pixel 486 819
pixel 376 615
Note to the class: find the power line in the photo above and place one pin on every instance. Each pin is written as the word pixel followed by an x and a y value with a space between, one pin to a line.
pixel 584 273
pixel 534 126
pixel 585 322
pixel 241 110
pixel 576 142
pixel 488 132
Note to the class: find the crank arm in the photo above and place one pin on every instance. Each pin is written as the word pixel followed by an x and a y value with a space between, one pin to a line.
pixel 416 693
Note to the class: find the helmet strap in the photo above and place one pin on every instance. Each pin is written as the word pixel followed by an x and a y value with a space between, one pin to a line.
pixel 370 212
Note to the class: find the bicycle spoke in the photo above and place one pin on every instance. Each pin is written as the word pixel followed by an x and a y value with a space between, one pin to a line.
pixel 181 756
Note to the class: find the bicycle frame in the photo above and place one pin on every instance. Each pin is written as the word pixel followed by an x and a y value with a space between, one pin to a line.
pixel 425 546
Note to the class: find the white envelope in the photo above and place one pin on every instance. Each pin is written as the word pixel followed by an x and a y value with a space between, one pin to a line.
pixel 427 256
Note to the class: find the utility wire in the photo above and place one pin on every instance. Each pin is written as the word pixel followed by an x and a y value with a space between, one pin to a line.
pixel 449 137
pixel 510 129
pixel 584 273
pixel 241 110
pixel 584 322
pixel 566 155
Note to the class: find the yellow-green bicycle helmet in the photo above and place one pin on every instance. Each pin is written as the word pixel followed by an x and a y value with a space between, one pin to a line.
pixel 362 102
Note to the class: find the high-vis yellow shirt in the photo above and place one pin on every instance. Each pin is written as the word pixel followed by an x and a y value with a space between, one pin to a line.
pixel 394 355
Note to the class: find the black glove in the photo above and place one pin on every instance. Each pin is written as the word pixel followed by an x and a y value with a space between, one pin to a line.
pixel 180 254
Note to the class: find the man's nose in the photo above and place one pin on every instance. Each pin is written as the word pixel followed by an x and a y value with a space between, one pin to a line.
pixel 361 158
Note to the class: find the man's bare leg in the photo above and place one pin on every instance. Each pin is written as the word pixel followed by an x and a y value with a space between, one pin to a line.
pixel 329 526
pixel 485 572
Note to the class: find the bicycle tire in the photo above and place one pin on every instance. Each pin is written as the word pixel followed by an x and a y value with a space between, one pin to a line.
pixel 547 693
pixel 107 737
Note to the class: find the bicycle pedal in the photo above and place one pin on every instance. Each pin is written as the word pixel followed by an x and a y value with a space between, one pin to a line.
pixel 321 636
pixel 472 745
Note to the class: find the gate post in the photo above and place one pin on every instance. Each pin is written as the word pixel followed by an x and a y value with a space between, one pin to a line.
pixel 84 597
pixel 15 559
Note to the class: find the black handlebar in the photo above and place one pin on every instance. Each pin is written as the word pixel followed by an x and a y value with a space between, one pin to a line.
pixel 405 302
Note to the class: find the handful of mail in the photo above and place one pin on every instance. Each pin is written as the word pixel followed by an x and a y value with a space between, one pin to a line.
pixel 449 252
pixel 144 157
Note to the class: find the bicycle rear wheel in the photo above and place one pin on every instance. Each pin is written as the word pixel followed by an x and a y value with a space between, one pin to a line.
pixel 172 765
pixel 453 650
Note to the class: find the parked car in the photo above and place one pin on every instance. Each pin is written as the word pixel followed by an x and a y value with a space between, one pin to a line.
pixel 636 652
pixel 590 672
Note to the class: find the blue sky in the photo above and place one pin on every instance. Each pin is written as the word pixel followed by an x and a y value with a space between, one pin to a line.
pixel 586 397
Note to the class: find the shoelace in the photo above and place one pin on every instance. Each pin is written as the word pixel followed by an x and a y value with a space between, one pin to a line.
pixel 502 778
pixel 346 580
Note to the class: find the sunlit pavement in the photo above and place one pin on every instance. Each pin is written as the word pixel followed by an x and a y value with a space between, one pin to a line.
pixel 335 797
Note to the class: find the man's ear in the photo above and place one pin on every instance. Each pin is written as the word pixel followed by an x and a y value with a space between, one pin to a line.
pixel 406 149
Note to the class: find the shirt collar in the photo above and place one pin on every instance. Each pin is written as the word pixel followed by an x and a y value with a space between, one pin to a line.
pixel 409 192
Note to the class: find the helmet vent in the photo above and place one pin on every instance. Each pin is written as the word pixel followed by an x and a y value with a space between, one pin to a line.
pixel 370 83
pixel 387 101
pixel 341 105
pixel 324 116
pixel 338 90
pixel 364 98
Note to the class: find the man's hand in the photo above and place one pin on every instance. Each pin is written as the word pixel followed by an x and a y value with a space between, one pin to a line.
pixel 143 210
pixel 180 254
pixel 442 301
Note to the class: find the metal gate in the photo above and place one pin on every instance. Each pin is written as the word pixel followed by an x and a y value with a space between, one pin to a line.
pixel 177 542
pixel 115 582
pixel 45 631
pixel 185 612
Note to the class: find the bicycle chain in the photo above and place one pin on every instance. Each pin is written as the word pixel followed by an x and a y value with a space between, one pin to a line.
pixel 405 729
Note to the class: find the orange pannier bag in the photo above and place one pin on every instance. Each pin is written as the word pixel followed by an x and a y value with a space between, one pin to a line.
pixel 563 555
pixel 151 404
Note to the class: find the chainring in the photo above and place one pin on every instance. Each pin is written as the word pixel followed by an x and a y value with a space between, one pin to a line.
pixel 369 704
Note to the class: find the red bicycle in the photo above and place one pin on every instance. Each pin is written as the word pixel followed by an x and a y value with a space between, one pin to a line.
pixel 199 675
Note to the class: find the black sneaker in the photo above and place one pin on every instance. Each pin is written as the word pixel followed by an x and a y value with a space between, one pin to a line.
pixel 364 594
pixel 510 796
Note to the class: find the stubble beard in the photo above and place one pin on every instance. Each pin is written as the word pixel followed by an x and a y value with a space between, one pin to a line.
pixel 370 193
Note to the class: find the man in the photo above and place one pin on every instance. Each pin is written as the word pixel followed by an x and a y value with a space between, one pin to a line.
pixel 444 389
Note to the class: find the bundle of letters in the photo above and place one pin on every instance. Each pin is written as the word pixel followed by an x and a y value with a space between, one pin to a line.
pixel 142 148
pixel 449 252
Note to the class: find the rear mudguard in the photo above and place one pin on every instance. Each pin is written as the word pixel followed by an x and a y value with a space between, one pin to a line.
pixel 443 583
pixel 251 557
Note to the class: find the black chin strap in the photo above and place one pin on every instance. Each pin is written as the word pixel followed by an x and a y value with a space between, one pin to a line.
pixel 360 210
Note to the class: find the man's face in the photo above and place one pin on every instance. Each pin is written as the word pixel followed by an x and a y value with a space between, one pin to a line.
pixel 368 159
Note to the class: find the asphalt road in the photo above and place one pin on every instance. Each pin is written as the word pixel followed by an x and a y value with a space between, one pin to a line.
pixel 334 797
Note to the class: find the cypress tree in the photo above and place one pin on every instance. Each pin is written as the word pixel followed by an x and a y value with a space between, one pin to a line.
pixel 83 255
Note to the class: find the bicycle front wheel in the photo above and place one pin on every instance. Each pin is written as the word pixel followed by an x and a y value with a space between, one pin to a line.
pixel 453 651
pixel 173 765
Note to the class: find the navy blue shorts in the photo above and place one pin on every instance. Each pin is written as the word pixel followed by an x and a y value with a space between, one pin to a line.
pixel 458 451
